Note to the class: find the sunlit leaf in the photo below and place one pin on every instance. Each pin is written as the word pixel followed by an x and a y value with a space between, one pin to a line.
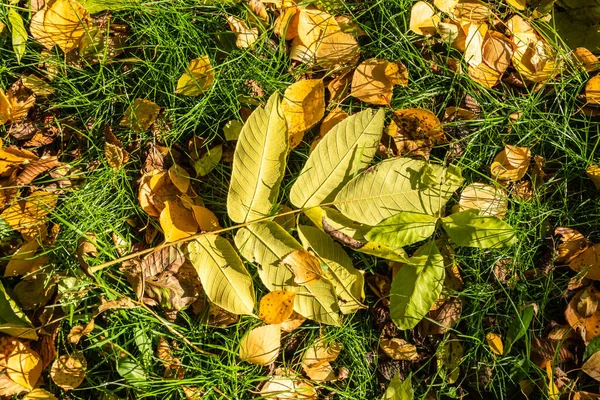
pixel 277 306
pixel 197 78
pixel 468 228
pixel 68 371
pixel 403 229
pixel 261 345
pixel 19 34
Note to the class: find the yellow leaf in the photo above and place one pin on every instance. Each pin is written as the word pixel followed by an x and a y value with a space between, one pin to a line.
pixel 446 6
pixel 39 394
pixel 588 261
pixel 517 4
pixel 511 164
pixel 317 359
pixel 286 25
pixel 115 156
pixel 198 77
pixel 373 80
pixel 293 322
pixel 592 90
pixel 449 357
pixel 68 372
pixel 423 19
pixel 337 48
pixel 593 172
pixel 261 345
pixel 29 216
pixel 490 200
pixel 25 260
pixel 305 267
pixel 484 75
pixel 303 106
pixel 5 108
pixel 37 85
pixel 246 37
pixel 497 51
pixel 332 119
pixel 177 222
pixel 206 219
pixel 64 23
pixel 553 390
pixel 276 307
pixel 79 331
pixel 589 61
pixel 495 342
pixel 140 115
pixel 320 372
pixel 24 365
pixel 399 349
pixel 179 177
pixel 472 10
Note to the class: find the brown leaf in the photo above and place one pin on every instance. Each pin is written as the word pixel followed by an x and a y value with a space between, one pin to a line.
pixel 80 331
pixel 68 371
pixel 35 168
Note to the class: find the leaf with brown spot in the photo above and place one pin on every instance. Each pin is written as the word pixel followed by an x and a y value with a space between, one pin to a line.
pixel 276 307
pixel 115 156
pixel 206 219
pixel 68 371
pixel 80 331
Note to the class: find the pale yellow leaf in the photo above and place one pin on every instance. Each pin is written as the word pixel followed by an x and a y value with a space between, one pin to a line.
pixel 423 19
pixel 261 345
pixel 39 394
pixel 246 37
pixel 490 200
pixel 208 161
pixel 399 349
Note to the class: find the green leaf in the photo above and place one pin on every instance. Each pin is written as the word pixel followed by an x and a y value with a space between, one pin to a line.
pixel 468 228
pixel 222 273
pixel 258 163
pixel 518 327
pixel 395 185
pixel 13 321
pixel 346 150
pixel 266 243
pixel 351 233
pixel 417 286
pixel 592 347
pixel 347 281
pixel 208 161
pixel 95 6
pixel 403 229
pixel 129 369
pixel 19 33
pixel 399 389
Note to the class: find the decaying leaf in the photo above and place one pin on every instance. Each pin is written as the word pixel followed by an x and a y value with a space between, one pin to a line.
pixel 587 261
pixel 140 115
pixel 305 267
pixel 24 365
pixel 511 164
pixel 449 357
pixel 68 371
pixel 197 78
pixel 374 79
pixel 276 307
pixel 317 360
pixel 414 132
pixel 261 345
pixel 399 349
pixel 79 331
pixel 572 243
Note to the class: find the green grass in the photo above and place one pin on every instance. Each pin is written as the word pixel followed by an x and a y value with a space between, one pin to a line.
pixel 164 36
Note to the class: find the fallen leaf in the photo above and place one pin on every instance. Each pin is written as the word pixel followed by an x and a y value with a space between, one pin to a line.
pixel 589 61
pixel 484 75
pixel 261 345
pixel 491 201
pixel 177 222
pixel 79 331
pixel 173 367
pixel 588 261
pixel 25 260
pixel 472 10
pixel 593 172
pixel 337 48
pixel 333 118
pixel 115 156
pixel 64 24
pixel 449 357
pixel 511 164
pixel 495 342
pixel 305 267
pixel 140 115
pixel 285 384
pixel 517 4
pixel 399 349
pixel 399 389
pixel 29 216
pixel 208 161
pixel 38 86
pixel 68 371
pixel 446 6
pixel 245 36
pixel 197 78
pixel 317 359
pixel 423 19
pixel 179 177
pixel 414 132
pixel 497 51
pixel 592 366
pixel 206 219
pixel 572 243
pixel 232 130
pixel 276 307
pixel 39 394
pixel 592 90
pixel 24 365
pixel 293 322
pixel 303 106
pixel 15 104
pixel 374 79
